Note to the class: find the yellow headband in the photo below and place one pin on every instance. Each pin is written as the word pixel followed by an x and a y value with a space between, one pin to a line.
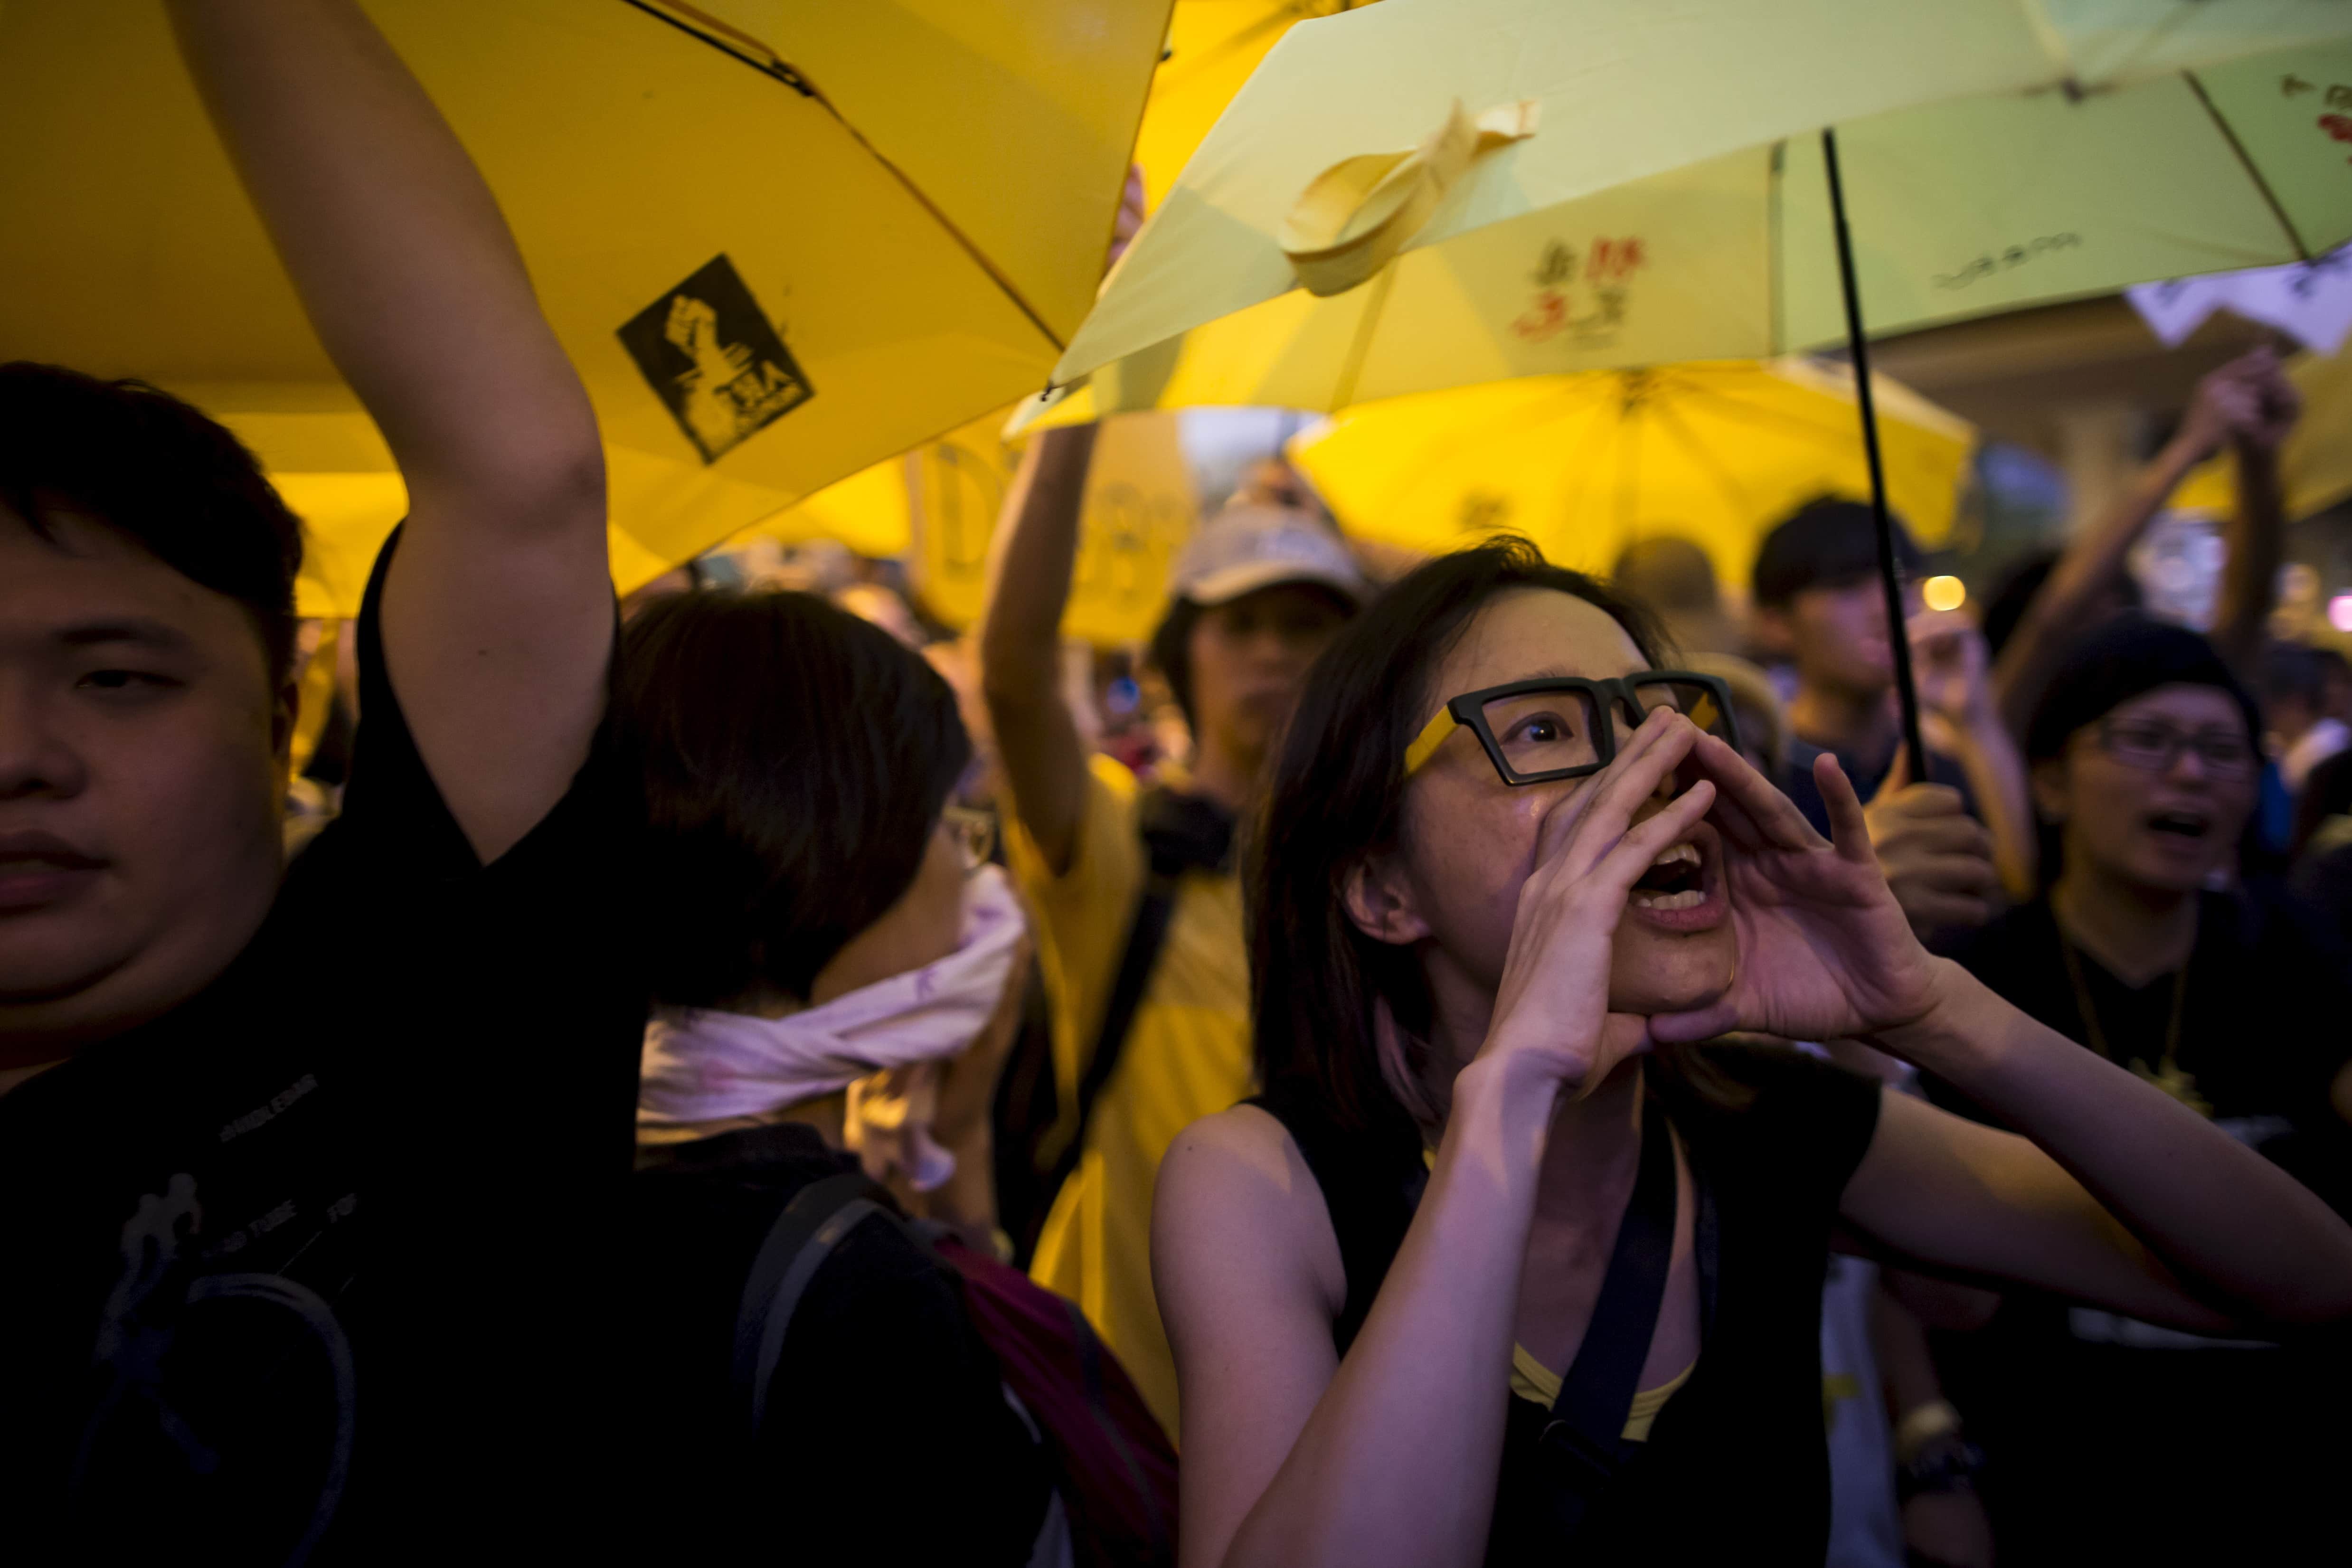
pixel 1433 735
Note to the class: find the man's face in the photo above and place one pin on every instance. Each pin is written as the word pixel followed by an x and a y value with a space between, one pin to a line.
pixel 1837 636
pixel 140 786
pixel 1248 657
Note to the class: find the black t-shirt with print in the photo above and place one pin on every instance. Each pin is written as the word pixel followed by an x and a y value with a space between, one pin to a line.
pixel 888 1437
pixel 2263 1017
pixel 303 1268
pixel 1736 1465
pixel 2092 1423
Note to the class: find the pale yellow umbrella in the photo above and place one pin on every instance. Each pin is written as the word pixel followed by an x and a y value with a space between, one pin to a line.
pixel 781 239
pixel 1617 182
pixel 1587 464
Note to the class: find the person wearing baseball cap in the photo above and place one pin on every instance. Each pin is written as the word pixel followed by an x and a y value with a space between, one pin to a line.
pixel 1139 911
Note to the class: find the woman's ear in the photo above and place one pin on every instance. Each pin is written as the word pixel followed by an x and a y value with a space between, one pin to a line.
pixel 2050 789
pixel 1380 901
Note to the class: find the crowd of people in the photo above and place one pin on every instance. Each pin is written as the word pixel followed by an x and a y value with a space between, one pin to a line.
pixel 1515 1070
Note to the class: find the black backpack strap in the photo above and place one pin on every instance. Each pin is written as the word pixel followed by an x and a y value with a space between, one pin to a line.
pixel 1181 833
pixel 802 1237
pixel 1588 1419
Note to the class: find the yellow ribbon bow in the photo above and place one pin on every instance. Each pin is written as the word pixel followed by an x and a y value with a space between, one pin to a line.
pixel 1359 212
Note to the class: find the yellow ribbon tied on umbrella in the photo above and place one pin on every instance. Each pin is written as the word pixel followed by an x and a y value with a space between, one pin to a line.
pixel 1358 213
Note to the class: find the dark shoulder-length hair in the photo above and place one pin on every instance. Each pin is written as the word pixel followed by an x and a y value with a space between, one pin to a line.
pixel 1337 786
pixel 795 760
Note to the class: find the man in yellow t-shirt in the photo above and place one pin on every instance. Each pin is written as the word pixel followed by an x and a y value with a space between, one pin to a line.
pixel 1257 592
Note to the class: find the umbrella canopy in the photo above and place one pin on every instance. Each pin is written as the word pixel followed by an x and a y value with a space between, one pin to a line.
pixel 1587 464
pixel 1658 194
pixel 780 239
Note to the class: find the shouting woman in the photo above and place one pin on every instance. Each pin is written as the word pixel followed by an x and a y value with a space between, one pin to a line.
pixel 1503 1263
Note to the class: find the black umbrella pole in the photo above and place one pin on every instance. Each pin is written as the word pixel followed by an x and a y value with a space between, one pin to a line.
pixel 1897 633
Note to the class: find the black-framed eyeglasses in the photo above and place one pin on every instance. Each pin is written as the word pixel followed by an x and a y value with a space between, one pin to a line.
pixel 2154 747
pixel 1562 727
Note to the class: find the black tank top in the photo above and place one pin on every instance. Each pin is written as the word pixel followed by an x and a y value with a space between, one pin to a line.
pixel 1737 1467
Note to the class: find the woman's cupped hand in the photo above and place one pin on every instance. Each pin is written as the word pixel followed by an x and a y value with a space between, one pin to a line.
pixel 1551 1019
pixel 1824 950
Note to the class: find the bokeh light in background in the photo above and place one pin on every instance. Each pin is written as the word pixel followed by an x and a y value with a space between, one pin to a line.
pixel 1944 593
pixel 2340 612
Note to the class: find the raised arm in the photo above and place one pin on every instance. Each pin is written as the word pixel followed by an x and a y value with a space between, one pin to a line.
pixel 1964 719
pixel 2117 1194
pixel 498 613
pixel 2256 535
pixel 1036 550
pixel 2093 559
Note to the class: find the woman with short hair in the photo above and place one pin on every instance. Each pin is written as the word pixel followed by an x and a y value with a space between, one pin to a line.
pixel 825 943
pixel 1503 1266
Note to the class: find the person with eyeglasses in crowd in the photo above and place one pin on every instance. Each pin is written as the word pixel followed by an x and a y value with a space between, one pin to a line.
pixel 1503 1264
pixel 2119 1440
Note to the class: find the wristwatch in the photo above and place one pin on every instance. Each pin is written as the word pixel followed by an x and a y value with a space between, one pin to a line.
pixel 1945 1462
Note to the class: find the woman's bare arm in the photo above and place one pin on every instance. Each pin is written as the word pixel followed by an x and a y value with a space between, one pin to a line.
pixel 2123 1197
pixel 1292 1456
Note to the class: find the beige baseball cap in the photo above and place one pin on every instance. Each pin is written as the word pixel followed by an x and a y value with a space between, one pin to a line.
pixel 1251 545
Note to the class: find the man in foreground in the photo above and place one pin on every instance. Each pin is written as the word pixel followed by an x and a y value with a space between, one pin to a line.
pixel 298 1173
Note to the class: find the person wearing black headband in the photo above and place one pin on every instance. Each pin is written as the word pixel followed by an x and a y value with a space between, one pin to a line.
pixel 2145 767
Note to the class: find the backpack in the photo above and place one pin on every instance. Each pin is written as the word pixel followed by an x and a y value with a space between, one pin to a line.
pixel 1181 833
pixel 1113 1469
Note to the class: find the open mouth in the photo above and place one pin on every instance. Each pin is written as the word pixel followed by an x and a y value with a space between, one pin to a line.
pixel 2190 824
pixel 1674 880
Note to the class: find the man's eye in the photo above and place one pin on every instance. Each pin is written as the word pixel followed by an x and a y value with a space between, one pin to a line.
pixel 124 681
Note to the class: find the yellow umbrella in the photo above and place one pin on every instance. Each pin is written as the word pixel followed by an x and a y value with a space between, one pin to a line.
pixel 1568 187
pixel 1586 464
pixel 937 505
pixel 781 239
pixel 2316 463
pixel 1212 48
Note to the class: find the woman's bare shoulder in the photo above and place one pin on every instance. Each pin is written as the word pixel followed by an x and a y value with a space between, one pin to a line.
pixel 1238 1175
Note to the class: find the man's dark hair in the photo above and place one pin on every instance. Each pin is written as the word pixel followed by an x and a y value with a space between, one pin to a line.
pixel 1335 798
pixel 2128 656
pixel 159 471
pixel 1825 543
pixel 795 760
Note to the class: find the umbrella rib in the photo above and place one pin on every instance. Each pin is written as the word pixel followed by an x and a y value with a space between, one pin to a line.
pixel 1233 43
pixel 1344 389
pixel 2301 251
pixel 1727 406
pixel 728 40
pixel 1705 459
pixel 737 45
